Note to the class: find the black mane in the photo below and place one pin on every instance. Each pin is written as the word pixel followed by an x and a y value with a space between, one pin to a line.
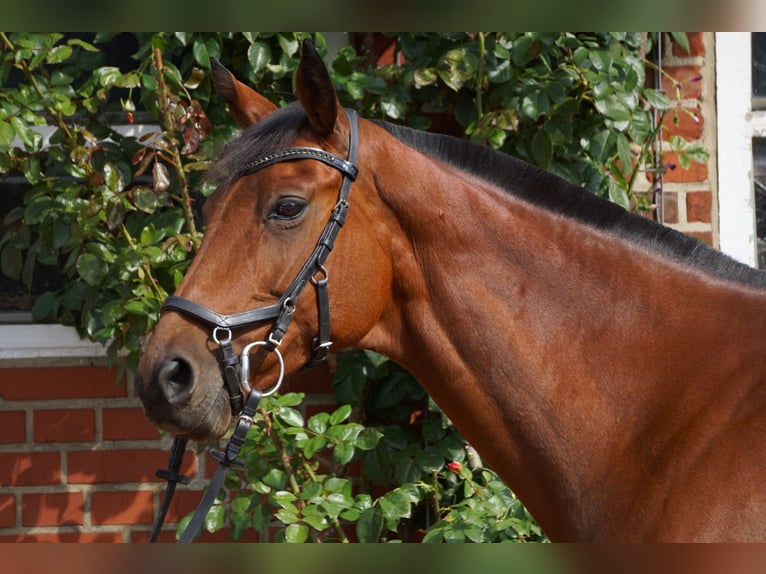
pixel 520 178
pixel 276 131
pixel 552 193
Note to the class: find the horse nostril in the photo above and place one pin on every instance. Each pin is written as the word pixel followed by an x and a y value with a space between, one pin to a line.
pixel 176 379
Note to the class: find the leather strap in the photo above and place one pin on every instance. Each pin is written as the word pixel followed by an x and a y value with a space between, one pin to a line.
pixel 173 476
pixel 209 316
pixel 295 153
pixel 226 458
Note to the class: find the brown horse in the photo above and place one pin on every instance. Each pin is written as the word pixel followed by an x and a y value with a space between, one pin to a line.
pixel 611 370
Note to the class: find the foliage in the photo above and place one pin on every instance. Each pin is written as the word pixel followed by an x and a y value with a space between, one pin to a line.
pixel 113 214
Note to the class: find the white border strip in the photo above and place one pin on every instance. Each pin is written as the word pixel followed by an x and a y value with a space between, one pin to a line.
pixel 736 201
pixel 49 344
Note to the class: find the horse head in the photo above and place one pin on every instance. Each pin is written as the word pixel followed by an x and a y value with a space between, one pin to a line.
pixel 270 227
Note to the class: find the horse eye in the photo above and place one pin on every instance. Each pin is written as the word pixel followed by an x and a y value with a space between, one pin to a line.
pixel 288 208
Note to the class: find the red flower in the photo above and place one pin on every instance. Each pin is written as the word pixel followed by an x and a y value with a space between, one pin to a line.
pixel 454 466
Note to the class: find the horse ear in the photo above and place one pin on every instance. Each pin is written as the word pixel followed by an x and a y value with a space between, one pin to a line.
pixel 315 91
pixel 245 104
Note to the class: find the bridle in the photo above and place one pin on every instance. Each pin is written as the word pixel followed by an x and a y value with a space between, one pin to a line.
pixel 235 368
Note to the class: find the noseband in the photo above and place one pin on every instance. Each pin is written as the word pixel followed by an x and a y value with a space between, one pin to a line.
pixel 313 271
pixel 235 369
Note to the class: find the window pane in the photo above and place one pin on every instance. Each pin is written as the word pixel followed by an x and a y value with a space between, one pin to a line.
pixel 759 70
pixel 759 181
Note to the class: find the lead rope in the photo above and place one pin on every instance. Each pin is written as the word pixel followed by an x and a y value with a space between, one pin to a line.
pixel 173 477
pixel 227 458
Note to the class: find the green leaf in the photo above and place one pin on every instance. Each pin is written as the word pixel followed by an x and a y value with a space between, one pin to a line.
pixel 601 59
pixel 215 518
pixel 88 47
pixel 59 54
pixel 369 527
pixel 12 261
pixel 682 39
pixel 318 422
pixel 290 416
pixel 31 139
pixel 542 148
pixel 340 414
pixel 618 195
pixel 296 533
pixel 289 400
pixel 424 77
pixel 431 460
pixel 7 133
pixel 657 99
pixel 275 478
pixel 46 307
pixel 343 452
pixel 259 56
pixel 107 76
pixel 201 54
pixel 239 524
pixel 289 45
pixel 394 504
pixel 145 199
pixel 368 438
pixel 284 498
pixel 314 445
pixel 91 268
pixel 314 517
pixel 623 152
pixel 287 515
pixel 261 518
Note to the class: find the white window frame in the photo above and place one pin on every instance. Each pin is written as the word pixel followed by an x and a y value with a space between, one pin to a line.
pixel 737 125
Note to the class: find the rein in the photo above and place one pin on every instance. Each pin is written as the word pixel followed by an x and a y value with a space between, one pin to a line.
pixel 235 369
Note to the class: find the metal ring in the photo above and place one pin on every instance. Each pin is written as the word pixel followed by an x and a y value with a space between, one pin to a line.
pixel 226 338
pixel 245 368
pixel 321 270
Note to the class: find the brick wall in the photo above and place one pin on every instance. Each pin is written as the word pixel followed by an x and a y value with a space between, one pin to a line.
pixel 77 457
pixel 690 195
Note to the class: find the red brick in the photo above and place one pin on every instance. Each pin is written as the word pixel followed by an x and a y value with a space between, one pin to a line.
pixel 24 384
pixel 30 469
pixel 682 122
pixel 699 205
pixel 122 507
pixel 12 427
pixel 7 510
pixel 697 172
pixel 696 46
pixel 128 424
pixel 183 503
pixel 65 425
pixel 109 537
pixel 114 466
pixel 52 509
pixel 682 82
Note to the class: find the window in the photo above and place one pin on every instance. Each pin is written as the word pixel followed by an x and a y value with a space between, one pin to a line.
pixel 741 95
pixel 21 342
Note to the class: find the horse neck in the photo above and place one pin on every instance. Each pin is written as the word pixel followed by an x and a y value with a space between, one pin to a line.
pixel 548 343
